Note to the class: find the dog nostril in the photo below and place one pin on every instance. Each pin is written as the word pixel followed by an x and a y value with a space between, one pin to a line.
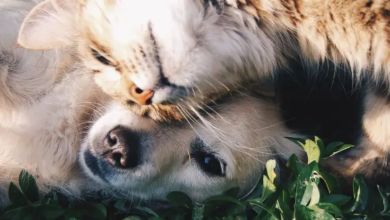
pixel 111 140
pixel 118 159
pixel 122 148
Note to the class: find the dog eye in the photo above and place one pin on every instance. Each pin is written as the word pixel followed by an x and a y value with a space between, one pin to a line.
pixel 217 4
pixel 210 164
pixel 100 57
pixel 207 161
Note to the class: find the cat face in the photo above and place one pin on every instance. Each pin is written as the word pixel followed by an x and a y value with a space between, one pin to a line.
pixel 227 149
pixel 156 51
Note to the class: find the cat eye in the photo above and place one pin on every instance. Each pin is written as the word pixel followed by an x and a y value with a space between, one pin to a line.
pixel 217 4
pixel 99 57
pixel 207 161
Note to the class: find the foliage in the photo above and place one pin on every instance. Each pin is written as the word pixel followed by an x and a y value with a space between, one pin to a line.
pixel 308 192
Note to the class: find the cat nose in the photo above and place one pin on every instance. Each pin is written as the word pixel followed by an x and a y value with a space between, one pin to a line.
pixel 123 147
pixel 140 96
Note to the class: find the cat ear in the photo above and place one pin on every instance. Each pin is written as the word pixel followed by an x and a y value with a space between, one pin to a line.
pixel 50 24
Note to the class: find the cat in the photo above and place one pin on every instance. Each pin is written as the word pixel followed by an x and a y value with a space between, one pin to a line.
pixel 166 57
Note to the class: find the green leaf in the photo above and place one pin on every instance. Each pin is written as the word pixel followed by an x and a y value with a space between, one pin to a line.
pixel 312 150
pixel 331 208
pixel 121 205
pixel 336 199
pixel 25 213
pixel 340 149
pixel 322 214
pixel 295 166
pixel 360 194
pixel 311 195
pixel 227 199
pixel 315 195
pixel 197 212
pixel 312 213
pixel 94 211
pixel 268 188
pixel 28 186
pixel 50 198
pixel 332 147
pixel 307 175
pixel 262 207
pixel 270 167
pixel 319 143
pixel 51 211
pixel 223 206
pixel 180 199
pixel 266 217
pixel 306 195
pixel 132 218
pixel 331 183
pixel 16 196
pixel 385 201
pixel 283 206
pixel 233 192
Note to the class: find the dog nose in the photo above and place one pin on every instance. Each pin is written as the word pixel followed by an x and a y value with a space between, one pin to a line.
pixel 123 148
pixel 141 97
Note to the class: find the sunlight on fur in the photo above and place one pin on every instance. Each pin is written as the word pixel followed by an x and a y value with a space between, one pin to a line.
pixel 68 105
pixel 60 110
pixel 186 52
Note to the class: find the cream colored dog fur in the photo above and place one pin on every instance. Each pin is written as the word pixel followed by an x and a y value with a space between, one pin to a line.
pixel 50 107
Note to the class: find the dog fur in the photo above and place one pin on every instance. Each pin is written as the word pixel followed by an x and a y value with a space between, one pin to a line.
pixel 51 109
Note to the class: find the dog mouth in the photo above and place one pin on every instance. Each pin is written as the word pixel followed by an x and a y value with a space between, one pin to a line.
pixel 98 168
pixel 103 169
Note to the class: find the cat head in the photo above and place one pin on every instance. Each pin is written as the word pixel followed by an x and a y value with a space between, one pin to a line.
pixel 156 52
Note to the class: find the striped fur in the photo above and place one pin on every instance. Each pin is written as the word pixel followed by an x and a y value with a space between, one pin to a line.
pixel 356 32
pixel 46 129
pixel 188 52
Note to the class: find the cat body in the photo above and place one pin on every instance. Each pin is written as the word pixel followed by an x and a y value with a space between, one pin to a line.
pixel 163 57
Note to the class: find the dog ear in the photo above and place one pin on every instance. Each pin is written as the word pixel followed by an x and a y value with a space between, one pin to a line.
pixel 50 24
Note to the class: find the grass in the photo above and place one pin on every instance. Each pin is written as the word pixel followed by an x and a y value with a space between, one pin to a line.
pixel 308 192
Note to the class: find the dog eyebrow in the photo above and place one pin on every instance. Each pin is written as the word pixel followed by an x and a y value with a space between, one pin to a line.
pixel 199 145
pixel 196 145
